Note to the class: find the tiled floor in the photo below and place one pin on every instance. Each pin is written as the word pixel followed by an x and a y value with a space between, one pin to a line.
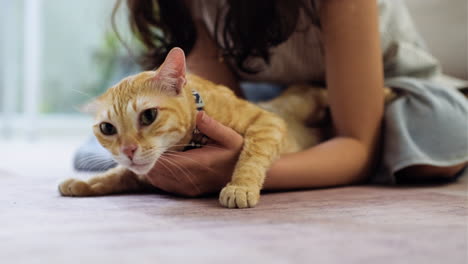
pixel 361 224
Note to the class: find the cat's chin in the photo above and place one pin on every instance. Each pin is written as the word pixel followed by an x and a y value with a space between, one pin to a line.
pixel 140 169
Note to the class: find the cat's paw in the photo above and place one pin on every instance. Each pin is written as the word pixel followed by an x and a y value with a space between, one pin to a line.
pixel 236 196
pixel 74 187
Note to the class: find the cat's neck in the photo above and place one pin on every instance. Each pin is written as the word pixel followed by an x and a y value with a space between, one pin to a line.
pixel 190 101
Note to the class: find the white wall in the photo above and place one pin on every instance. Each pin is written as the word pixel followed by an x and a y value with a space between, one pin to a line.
pixel 444 25
pixel 73 31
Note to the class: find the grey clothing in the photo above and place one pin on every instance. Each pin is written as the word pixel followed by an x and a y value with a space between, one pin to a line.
pixel 427 125
pixel 91 156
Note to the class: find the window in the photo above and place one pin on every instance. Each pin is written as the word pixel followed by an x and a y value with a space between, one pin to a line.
pixel 54 56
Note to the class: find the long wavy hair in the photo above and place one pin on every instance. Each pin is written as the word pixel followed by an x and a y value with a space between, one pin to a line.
pixel 250 27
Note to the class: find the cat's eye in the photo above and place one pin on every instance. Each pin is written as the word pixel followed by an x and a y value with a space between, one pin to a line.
pixel 107 129
pixel 148 116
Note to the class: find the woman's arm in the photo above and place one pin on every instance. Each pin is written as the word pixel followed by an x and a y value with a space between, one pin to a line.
pixel 355 84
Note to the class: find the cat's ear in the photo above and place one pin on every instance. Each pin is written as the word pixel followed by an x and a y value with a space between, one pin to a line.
pixel 170 77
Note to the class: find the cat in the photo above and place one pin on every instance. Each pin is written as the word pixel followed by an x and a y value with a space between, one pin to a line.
pixel 152 112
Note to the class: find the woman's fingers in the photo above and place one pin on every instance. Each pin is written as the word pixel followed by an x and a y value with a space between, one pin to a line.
pixel 218 132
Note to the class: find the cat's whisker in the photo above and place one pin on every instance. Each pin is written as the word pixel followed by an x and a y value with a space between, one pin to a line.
pixel 176 154
pixel 197 162
pixel 168 158
pixel 188 175
pixel 150 153
pixel 82 93
pixel 166 167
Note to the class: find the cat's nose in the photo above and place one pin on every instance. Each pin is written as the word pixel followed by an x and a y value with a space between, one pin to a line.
pixel 129 150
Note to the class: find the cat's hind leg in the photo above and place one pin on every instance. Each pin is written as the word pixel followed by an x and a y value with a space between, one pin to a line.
pixel 116 180
pixel 300 102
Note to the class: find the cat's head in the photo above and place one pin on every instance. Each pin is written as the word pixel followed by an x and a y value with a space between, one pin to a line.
pixel 145 115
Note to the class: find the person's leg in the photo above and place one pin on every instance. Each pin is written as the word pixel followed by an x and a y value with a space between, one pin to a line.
pixel 425 136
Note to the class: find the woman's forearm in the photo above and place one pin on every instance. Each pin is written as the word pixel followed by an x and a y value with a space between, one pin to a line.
pixel 339 161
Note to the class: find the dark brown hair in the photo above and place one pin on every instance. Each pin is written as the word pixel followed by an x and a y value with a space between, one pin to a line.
pixel 250 27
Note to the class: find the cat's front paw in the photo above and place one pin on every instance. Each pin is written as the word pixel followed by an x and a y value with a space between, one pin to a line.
pixel 74 187
pixel 236 196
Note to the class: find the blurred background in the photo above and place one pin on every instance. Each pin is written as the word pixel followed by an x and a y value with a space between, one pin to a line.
pixel 57 54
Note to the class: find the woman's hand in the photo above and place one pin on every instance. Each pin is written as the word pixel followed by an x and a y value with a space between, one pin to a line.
pixel 200 171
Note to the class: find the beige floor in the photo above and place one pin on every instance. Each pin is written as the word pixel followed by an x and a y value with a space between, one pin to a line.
pixel 362 224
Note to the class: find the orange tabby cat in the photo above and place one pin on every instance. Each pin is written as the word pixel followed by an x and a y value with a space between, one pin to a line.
pixel 145 115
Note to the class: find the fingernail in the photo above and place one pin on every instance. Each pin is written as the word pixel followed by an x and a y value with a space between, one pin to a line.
pixel 204 119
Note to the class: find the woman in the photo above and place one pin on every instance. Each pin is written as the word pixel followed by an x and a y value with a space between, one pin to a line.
pixel 339 44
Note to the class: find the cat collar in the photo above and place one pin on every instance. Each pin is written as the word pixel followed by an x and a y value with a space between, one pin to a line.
pixel 198 139
pixel 198 100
